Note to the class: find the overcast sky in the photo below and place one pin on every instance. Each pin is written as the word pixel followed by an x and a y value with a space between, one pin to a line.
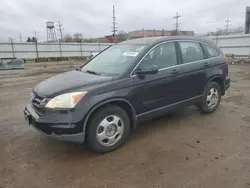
pixel 93 18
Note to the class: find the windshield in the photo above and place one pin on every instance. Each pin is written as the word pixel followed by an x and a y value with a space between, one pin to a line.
pixel 113 61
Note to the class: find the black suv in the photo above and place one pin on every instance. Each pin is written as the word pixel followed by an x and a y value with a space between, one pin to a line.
pixel 102 101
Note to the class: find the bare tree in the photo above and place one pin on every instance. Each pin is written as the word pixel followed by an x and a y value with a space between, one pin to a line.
pixel 29 39
pixel 121 36
pixel 231 31
pixel 236 30
pixel 78 37
pixel 67 38
pixel 33 39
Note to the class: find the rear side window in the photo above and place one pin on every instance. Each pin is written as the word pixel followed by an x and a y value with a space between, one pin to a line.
pixel 191 51
pixel 211 52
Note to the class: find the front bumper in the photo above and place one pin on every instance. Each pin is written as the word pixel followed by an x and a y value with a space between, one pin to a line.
pixel 55 125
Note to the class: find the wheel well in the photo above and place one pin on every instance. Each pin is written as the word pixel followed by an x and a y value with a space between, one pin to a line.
pixel 125 106
pixel 219 81
pixel 122 104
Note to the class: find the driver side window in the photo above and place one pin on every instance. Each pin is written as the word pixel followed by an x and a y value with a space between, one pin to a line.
pixel 163 56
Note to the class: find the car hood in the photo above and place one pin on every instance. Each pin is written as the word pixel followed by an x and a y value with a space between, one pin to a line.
pixel 67 81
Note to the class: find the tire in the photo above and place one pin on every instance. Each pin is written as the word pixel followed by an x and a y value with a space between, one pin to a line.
pixel 108 128
pixel 212 89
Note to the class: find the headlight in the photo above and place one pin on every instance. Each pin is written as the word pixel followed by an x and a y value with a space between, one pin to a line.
pixel 67 100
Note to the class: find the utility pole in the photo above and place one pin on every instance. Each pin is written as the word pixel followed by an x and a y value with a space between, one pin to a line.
pixel 21 38
pixel 177 24
pixel 35 35
pixel 227 24
pixel 114 28
pixel 37 55
pixel 60 29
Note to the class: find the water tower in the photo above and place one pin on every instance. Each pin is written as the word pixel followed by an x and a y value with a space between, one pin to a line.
pixel 51 32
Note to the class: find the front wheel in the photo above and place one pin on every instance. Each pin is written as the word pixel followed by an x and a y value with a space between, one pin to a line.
pixel 211 98
pixel 108 129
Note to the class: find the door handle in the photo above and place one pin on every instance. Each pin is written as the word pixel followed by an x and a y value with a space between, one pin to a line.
pixel 206 64
pixel 175 71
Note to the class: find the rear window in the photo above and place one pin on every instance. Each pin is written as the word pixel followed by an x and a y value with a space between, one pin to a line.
pixel 191 51
pixel 211 52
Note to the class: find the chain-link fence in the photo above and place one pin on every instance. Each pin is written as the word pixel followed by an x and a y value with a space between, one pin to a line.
pixel 39 50
pixel 236 45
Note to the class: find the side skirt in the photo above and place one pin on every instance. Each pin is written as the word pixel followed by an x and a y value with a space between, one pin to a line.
pixel 162 110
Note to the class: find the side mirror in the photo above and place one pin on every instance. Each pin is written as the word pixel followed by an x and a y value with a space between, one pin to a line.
pixel 150 69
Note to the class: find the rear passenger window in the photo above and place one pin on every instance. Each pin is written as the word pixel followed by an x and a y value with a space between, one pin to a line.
pixel 211 52
pixel 191 51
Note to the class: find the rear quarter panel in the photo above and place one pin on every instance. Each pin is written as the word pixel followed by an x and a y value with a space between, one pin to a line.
pixel 217 69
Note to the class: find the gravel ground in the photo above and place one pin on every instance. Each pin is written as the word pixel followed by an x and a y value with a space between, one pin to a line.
pixel 183 149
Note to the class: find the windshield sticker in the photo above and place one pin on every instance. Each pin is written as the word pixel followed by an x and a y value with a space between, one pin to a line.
pixel 132 54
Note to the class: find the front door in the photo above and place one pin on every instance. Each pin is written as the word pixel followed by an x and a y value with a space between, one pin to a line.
pixel 156 91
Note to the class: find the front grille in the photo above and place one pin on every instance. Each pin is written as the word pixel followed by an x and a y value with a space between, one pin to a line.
pixel 36 103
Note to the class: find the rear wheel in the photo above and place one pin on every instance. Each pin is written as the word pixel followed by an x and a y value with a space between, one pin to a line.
pixel 211 98
pixel 108 129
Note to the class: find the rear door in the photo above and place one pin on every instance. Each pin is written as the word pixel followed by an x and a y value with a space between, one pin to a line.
pixel 192 57
pixel 215 63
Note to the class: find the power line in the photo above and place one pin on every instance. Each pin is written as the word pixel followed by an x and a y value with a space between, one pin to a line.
pixel 177 24
pixel 114 28
pixel 60 29
pixel 228 21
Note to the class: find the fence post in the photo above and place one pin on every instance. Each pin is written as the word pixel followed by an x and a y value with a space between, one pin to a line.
pixel 217 36
pixel 37 55
pixel 81 48
pixel 12 47
pixel 60 48
pixel 99 45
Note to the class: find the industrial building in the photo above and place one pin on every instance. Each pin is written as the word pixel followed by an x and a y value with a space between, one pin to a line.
pixel 153 32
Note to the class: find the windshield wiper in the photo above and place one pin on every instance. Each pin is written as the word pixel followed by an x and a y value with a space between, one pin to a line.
pixel 93 72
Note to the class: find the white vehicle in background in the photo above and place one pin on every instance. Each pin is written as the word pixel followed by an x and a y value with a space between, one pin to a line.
pixel 12 63
pixel 93 54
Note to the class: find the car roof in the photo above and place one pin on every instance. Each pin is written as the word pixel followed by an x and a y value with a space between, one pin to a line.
pixel 146 40
pixel 155 40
